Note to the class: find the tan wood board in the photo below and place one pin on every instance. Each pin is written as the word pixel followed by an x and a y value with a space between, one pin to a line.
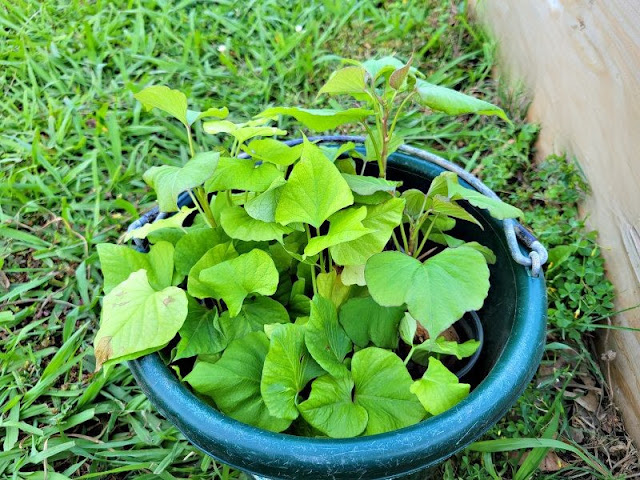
pixel 580 61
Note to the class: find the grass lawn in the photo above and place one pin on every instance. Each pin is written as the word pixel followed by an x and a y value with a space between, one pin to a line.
pixel 73 145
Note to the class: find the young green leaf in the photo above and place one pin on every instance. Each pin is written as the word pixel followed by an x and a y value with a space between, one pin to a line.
pixel 452 102
pixel 444 206
pixel 344 226
pixel 353 275
pixel 325 339
pixel 263 206
pixel 439 389
pixel 174 221
pixel 446 347
pixel 320 120
pixel 382 219
pixel 314 191
pixel 349 81
pixel 193 115
pixel 137 320
pixel 242 174
pixel 273 151
pixel 382 385
pixel 369 185
pixel 237 223
pixel 437 292
pixel 232 280
pixel 173 102
pixel 330 407
pixel 261 311
pixel 200 333
pixel 330 286
pixel 497 208
pixel 288 367
pixel 398 79
pixel 215 255
pixel 367 322
pixel 416 203
pixel 381 66
pixel 408 327
pixel 191 247
pixel 119 261
pixel 169 182
pixel 233 382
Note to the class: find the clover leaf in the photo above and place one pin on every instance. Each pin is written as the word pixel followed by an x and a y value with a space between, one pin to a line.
pixel 137 319
pixel 439 389
pixel 233 382
pixel 437 292
pixel 233 280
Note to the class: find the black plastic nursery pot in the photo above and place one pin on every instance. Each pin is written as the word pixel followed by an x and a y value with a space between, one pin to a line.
pixel 514 323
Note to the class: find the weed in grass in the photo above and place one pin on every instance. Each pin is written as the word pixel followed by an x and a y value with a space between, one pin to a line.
pixel 72 141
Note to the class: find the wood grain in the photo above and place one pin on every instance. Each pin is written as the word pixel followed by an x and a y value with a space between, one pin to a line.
pixel 581 62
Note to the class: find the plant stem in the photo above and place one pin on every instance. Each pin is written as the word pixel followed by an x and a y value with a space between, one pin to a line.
pixel 313 267
pixel 404 239
pixel 204 203
pixel 196 203
pixel 191 148
pixel 410 354
pixel 395 241
pixel 426 236
pixel 397 115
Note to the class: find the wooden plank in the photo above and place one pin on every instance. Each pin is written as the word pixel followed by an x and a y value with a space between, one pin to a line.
pixel 581 61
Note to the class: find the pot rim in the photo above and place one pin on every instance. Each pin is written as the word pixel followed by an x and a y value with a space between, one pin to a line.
pixel 396 452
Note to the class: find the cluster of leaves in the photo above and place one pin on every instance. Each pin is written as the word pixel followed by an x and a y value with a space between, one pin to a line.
pixel 294 283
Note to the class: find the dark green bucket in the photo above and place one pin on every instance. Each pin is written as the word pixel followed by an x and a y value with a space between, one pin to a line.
pixel 514 320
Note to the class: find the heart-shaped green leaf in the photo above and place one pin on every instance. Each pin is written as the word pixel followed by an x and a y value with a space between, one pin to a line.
pixel 261 311
pixel 215 255
pixel 242 174
pixel 173 102
pixel 345 225
pixel 353 275
pixel 367 322
pixel 439 389
pixel 288 367
pixel 497 208
pixel 330 407
pixel 263 206
pixel 314 191
pixel 325 339
pixel 437 292
pixel 443 206
pixel 136 320
pixel 349 81
pixel 119 261
pixel 232 280
pixel 174 221
pixel 331 287
pixel 320 119
pixel 169 182
pixel 273 151
pixel 237 223
pixel 452 102
pixel 234 382
pixel 192 246
pixel 200 333
pixel 407 329
pixel 382 387
pixel 382 219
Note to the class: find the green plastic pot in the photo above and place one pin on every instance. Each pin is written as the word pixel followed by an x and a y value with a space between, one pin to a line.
pixel 514 321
